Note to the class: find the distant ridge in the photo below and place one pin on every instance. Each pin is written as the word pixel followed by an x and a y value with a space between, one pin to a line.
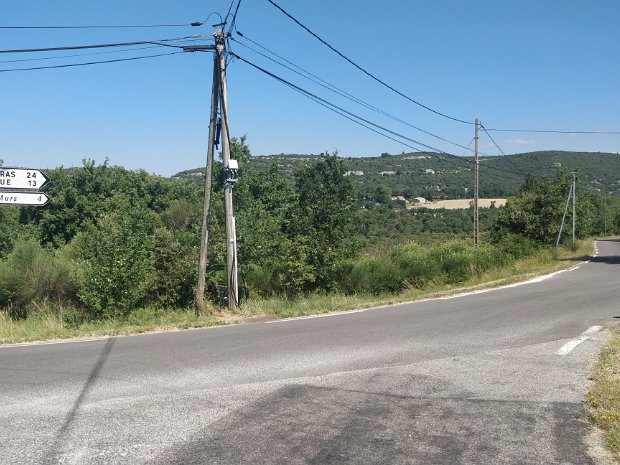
pixel 438 176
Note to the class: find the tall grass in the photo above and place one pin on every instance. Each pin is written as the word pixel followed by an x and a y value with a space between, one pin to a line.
pixel 603 400
pixel 414 266
pixel 407 273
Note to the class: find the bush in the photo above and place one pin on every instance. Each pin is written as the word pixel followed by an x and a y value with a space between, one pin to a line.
pixel 417 267
pixel 515 245
pixel 32 274
pixel 115 263
pixel 413 265
pixel 175 271
pixel 370 275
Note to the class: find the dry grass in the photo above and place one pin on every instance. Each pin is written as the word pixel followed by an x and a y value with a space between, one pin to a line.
pixel 603 400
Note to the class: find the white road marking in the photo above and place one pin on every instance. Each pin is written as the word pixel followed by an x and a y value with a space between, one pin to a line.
pixel 54 342
pixel 328 314
pixel 566 348
pixel 522 283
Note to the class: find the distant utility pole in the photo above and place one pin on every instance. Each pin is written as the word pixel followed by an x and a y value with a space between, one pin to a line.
pixel 571 193
pixel 574 196
pixel 605 215
pixel 204 237
pixel 476 173
pixel 230 170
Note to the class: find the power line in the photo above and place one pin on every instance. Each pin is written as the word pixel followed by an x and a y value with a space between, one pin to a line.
pixel 233 23
pixel 368 73
pixel 108 26
pixel 70 65
pixel 161 42
pixel 362 121
pixel 551 131
pixel 332 88
pixel 468 146
pixel 499 148
pixel 359 120
pixel 76 55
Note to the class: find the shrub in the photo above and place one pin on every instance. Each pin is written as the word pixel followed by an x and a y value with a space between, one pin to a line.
pixel 174 271
pixel 417 267
pixel 515 245
pixel 115 263
pixel 32 274
pixel 370 275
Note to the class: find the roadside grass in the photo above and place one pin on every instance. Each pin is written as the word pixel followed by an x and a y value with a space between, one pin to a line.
pixel 603 400
pixel 545 261
pixel 51 322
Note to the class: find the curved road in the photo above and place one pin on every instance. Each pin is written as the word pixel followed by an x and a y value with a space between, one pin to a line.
pixel 496 377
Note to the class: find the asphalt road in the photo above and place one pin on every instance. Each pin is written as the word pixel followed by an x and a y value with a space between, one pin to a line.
pixel 475 379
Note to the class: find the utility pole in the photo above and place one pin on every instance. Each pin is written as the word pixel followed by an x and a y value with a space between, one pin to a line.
pixel 605 215
pixel 574 195
pixel 570 192
pixel 230 169
pixel 204 237
pixel 476 173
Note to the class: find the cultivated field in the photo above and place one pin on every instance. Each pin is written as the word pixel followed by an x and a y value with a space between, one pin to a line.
pixel 459 203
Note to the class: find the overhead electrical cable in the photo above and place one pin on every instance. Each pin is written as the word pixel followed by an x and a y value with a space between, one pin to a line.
pixel 161 42
pixel 290 84
pixel 108 26
pixel 232 2
pixel 71 65
pixel 368 73
pixel 76 55
pixel 233 23
pixel 362 121
pixel 551 131
pixel 363 70
pixel 499 148
pixel 332 88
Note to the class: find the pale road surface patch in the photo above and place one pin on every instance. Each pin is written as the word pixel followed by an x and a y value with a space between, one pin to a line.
pixel 566 348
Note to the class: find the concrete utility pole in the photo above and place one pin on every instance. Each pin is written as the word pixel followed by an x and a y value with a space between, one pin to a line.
pixel 476 173
pixel 204 237
pixel 570 192
pixel 229 178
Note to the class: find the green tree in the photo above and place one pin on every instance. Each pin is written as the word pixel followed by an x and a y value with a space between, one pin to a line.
pixel 323 220
pixel 115 262
pixel 537 212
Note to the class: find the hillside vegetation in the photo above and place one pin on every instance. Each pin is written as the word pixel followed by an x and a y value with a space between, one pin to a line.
pixel 113 244
pixel 438 176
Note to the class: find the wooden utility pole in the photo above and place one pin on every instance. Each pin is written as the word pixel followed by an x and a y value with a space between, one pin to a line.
pixel 229 172
pixel 476 172
pixel 204 237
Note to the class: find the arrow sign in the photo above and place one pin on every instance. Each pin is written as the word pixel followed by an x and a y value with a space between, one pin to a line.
pixel 21 178
pixel 24 198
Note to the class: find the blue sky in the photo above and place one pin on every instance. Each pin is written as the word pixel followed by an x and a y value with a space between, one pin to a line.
pixel 514 64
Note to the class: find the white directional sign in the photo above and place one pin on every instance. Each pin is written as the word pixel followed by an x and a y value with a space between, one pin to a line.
pixel 23 198
pixel 20 178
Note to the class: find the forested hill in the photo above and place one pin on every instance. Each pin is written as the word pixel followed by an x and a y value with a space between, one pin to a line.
pixel 438 176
